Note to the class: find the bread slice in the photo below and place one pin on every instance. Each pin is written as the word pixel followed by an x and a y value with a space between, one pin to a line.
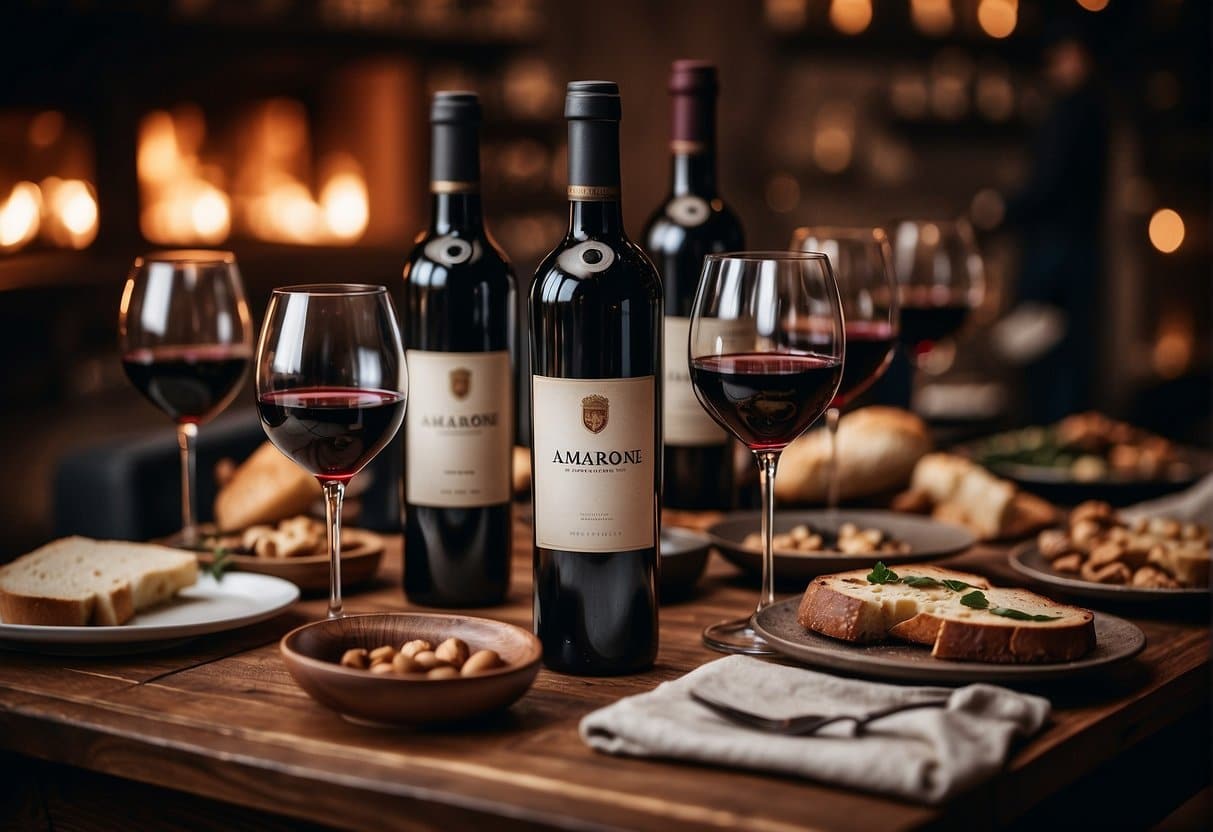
pixel 847 606
pixel 77 581
pixel 266 488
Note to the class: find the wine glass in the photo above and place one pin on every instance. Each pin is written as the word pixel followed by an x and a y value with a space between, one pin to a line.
pixel 940 278
pixel 863 266
pixel 755 375
pixel 186 340
pixel 331 388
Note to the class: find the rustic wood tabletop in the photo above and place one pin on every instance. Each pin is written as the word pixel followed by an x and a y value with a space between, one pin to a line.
pixel 220 723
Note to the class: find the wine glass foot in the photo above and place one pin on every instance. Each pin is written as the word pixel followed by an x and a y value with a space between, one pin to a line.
pixel 737 636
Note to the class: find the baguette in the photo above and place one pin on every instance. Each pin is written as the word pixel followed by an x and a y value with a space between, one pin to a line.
pixel 847 606
pixel 77 582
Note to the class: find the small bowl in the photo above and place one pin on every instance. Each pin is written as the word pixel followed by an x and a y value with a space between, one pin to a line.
pixel 684 556
pixel 312 652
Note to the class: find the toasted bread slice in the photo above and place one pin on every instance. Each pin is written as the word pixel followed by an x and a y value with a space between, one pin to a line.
pixel 847 606
pixel 266 488
pixel 76 581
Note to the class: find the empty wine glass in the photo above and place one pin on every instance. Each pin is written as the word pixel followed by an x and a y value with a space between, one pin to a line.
pixel 186 340
pixel 754 373
pixel 331 388
pixel 863 266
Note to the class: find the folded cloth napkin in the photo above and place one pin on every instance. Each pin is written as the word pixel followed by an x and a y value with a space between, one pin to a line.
pixel 925 755
pixel 1194 505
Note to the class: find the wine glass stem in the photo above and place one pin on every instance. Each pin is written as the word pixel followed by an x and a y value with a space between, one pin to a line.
pixel 767 462
pixel 832 483
pixel 334 493
pixel 187 432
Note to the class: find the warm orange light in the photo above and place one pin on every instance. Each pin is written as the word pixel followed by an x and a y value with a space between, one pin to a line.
pixel 851 16
pixel 997 18
pixel 20 215
pixel 73 203
pixel 932 17
pixel 1174 344
pixel 344 202
pixel 46 128
pixel 210 215
pixel 1093 5
pixel 1166 230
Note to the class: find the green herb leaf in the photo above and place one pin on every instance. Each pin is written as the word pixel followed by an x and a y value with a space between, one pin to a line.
pixel 920 581
pixel 220 563
pixel 956 586
pixel 882 574
pixel 975 599
pixel 1019 615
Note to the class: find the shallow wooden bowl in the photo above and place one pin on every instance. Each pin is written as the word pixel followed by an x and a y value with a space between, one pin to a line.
pixel 312 652
pixel 361 554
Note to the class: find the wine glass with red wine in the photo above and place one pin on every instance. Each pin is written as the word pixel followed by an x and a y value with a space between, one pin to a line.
pixel 940 278
pixel 186 341
pixel 331 388
pixel 863 266
pixel 756 375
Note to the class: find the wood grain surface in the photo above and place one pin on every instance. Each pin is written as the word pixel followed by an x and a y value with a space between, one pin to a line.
pixel 221 719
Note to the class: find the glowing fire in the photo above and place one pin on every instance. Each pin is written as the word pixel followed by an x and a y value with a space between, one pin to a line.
pixel 185 200
pixel 20 216
pixel 61 211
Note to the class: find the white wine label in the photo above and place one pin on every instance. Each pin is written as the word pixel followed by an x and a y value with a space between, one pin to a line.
pixel 689 210
pixel 686 422
pixel 595 448
pixel 460 429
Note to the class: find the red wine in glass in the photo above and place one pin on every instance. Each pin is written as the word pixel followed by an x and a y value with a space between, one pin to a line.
pixel 766 399
pixel 332 432
pixel 926 321
pixel 189 383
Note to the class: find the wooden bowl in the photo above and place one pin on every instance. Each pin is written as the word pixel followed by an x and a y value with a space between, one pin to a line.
pixel 312 652
pixel 361 554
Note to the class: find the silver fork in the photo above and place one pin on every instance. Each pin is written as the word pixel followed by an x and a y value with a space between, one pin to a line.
pixel 805 724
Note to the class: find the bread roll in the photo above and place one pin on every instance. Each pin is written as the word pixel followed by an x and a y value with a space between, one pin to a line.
pixel 877 450
pixel 964 493
pixel 266 488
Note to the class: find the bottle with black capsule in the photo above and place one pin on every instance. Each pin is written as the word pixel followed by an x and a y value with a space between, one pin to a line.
pixel 692 222
pixel 596 312
pixel 459 313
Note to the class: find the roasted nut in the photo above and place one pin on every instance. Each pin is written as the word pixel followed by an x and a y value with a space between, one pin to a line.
pixel 1053 543
pixel 444 672
pixel 799 533
pixel 480 662
pixel 252 534
pixel 453 651
pixel 266 546
pixel 427 660
pixel 418 645
pixel 1088 468
pixel 383 654
pixel 1151 577
pixel 1111 573
pixel 1068 563
pixel 381 668
pixel 1084 532
pixel 1095 510
pixel 1106 553
pixel 355 657
pixel 405 664
pixel 1193 531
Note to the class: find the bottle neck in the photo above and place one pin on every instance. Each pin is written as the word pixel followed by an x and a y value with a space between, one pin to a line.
pixel 595 219
pixel 694 173
pixel 456 212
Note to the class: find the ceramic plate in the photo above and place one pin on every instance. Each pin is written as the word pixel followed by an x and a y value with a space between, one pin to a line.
pixel 684 555
pixel 361 553
pixel 209 606
pixel 1116 640
pixel 928 539
pixel 1027 560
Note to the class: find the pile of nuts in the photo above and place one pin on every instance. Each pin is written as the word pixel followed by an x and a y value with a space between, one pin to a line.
pixel 294 537
pixel 1107 445
pixel 1149 552
pixel 419 659
pixel 852 540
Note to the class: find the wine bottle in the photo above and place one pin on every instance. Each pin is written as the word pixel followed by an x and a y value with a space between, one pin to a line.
pixel 595 387
pixel 693 221
pixel 459 302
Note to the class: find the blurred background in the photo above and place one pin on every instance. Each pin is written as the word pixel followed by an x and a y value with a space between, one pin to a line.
pixel 1072 134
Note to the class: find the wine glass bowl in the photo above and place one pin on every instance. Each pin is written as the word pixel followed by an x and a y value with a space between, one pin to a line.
pixel 766 352
pixel 862 262
pixel 185 335
pixel 331 388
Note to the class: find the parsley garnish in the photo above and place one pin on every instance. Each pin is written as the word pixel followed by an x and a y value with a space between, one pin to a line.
pixel 220 563
pixel 1018 615
pixel 975 599
pixel 882 574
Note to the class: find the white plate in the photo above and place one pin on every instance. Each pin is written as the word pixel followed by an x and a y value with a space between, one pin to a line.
pixel 209 606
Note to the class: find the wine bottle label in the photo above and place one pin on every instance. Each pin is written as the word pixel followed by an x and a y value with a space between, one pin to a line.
pixel 688 211
pixel 686 423
pixel 459 423
pixel 595 449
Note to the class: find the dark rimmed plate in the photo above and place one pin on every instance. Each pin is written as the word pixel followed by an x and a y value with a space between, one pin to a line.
pixel 928 540
pixel 1116 641
pixel 1027 560
pixel 684 556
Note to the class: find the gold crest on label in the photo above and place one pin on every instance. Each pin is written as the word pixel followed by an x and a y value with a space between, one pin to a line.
pixel 595 411
pixel 461 382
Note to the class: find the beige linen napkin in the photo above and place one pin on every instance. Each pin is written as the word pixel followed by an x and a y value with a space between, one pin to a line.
pixel 1194 505
pixel 925 755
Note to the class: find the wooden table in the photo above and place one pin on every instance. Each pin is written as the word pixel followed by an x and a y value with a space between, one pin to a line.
pixel 221 720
